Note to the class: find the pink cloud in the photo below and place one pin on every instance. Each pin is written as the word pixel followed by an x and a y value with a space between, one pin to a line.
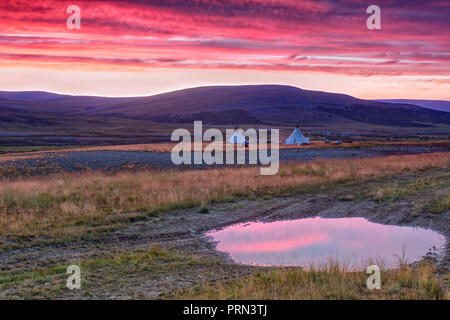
pixel 273 35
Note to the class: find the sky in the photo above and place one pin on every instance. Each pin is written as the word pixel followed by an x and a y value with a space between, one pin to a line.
pixel 130 48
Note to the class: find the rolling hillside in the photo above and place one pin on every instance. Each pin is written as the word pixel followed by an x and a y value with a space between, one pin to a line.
pixel 229 105
pixel 440 105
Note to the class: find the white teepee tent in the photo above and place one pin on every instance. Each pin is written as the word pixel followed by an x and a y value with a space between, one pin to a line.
pixel 297 137
pixel 237 138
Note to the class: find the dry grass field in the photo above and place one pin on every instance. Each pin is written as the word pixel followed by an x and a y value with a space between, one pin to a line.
pixel 108 222
pixel 65 204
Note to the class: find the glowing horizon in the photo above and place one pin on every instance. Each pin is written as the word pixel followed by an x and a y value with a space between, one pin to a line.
pixel 140 48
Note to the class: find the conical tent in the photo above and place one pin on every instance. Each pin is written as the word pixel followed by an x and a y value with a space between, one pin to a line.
pixel 297 137
pixel 237 138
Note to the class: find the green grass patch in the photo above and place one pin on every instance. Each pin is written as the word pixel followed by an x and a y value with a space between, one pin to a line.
pixel 405 189
pixel 438 205
pixel 111 270
pixel 203 209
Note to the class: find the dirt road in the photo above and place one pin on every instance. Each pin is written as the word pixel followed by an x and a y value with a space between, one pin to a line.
pixel 183 231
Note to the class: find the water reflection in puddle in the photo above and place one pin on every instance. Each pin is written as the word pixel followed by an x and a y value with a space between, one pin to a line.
pixel 353 241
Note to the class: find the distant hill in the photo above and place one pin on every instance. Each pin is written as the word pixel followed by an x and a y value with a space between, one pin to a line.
pixel 28 95
pixel 230 105
pixel 440 105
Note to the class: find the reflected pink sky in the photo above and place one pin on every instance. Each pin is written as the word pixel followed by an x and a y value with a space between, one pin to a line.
pixel 315 240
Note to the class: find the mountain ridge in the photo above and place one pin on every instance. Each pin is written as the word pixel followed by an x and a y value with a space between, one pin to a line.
pixel 263 104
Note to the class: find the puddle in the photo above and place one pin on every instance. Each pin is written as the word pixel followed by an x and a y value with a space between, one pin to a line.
pixel 352 241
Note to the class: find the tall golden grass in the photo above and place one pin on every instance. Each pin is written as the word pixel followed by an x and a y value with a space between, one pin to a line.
pixel 59 204
pixel 330 281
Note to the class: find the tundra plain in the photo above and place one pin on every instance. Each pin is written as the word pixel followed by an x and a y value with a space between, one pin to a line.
pixel 139 232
